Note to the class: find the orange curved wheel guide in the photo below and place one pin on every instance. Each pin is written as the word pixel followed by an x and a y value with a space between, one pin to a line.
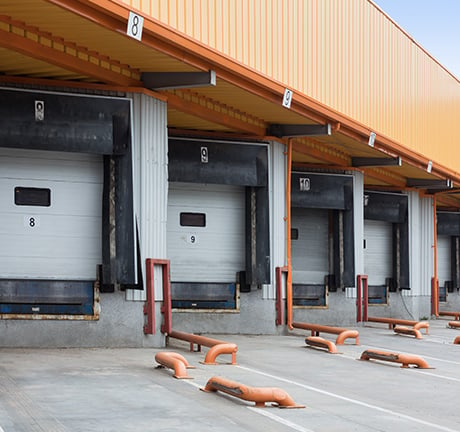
pixel 319 342
pixel 457 340
pixel 174 361
pixel 347 334
pixel 408 331
pixel 316 329
pixel 422 324
pixel 217 350
pixel 454 324
pixel 404 359
pixel 217 347
pixel 259 395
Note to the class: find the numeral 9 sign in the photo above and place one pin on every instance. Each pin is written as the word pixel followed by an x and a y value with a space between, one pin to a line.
pixel 287 99
pixel 192 239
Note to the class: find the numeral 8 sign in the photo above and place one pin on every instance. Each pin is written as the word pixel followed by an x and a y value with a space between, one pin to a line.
pixel 135 25
pixel 31 221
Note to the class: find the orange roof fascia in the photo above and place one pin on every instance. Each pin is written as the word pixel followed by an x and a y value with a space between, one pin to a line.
pixel 161 37
pixel 157 35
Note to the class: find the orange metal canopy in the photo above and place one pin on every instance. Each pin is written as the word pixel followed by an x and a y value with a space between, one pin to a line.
pixel 83 43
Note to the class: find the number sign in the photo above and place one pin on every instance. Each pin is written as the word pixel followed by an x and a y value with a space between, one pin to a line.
pixel 135 24
pixel 192 239
pixel 287 99
pixel 31 221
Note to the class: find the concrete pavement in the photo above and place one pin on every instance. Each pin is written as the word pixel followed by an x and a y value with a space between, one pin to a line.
pixel 123 390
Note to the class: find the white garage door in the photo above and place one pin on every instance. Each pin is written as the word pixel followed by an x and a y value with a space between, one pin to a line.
pixel 50 212
pixel 378 252
pixel 206 232
pixel 309 245
pixel 443 259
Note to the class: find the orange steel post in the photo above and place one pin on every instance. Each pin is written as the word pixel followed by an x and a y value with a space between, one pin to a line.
pixel 404 359
pixel 457 340
pixel 454 324
pixel 359 302
pixel 362 298
pixel 365 297
pixel 259 395
pixel 174 361
pixel 288 235
pixel 434 293
pixel 279 294
pixel 149 307
pixel 166 309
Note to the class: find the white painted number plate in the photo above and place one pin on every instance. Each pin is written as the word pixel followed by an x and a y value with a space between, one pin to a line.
pixel 135 25
pixel 192 238
pixel 287 99
pixel 31 221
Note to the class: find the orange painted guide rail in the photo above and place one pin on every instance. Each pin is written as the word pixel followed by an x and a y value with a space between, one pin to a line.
pixel 393 322
pixel 456 315
pixel 343 333
pixel 319 342
pixel 217 347
pixel 259 395
pixel 408 331
pixel 404 359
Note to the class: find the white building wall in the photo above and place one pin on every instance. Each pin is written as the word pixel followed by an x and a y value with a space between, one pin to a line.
pixel 421 240
pixel 443 259
pixel 277 200
pixel 358 216
pixel 150 184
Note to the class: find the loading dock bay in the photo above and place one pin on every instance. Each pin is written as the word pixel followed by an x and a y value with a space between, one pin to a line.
pixel 121 389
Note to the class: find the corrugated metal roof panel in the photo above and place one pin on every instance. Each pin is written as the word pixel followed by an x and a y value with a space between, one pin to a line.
pixel 347 54
pixel 336 52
